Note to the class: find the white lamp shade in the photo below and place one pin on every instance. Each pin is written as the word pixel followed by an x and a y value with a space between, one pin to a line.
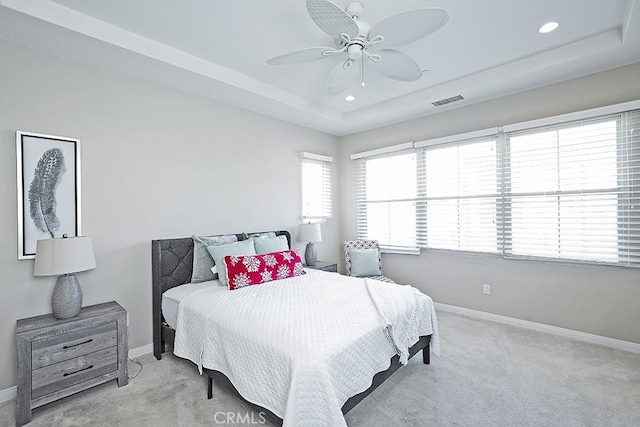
pixel 310 233
pixel 55 257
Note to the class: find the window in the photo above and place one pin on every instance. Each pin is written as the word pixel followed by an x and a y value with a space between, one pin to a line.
pixel 567 190
pixel 316 186
pixel 387 199
pixel 461 192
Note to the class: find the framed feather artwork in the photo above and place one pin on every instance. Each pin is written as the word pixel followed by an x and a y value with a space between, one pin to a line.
pixel 48 189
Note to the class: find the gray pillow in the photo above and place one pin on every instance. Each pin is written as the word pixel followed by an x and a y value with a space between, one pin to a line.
pixel 202 261
pixel 265 245
pixel 244 247
pixel 364 262
pixel 259 235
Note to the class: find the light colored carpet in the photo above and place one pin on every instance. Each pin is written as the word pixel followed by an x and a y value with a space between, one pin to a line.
pixel 489 375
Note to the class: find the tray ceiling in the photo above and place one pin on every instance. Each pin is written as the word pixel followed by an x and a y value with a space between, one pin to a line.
pixel 219 50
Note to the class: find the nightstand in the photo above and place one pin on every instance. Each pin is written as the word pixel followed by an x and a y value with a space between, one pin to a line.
pixel 324 266
pixel 60 357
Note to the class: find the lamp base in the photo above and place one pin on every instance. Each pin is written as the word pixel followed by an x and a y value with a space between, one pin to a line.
pixel 310 255
pixel 66 299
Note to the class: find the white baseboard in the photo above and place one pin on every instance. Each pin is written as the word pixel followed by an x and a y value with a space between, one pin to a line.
pixel 10 393
pixel 140 351
pixel 540 327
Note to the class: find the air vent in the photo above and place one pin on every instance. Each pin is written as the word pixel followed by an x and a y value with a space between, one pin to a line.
pixel 448 100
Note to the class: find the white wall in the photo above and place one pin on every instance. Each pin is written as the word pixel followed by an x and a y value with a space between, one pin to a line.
pixel 597 300
pixel 156 163
pixel 161 163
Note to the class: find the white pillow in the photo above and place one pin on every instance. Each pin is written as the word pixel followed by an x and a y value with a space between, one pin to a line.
pixel 244 247
pixel 266 245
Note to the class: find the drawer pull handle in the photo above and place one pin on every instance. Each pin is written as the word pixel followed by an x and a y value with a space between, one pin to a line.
pixel 75 345
pixel 79 370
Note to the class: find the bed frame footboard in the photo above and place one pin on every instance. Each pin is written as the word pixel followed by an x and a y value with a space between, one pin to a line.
pixel 224 382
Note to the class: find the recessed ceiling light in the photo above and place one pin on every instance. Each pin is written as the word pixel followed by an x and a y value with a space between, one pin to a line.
pixel 548 27
pixel 349 98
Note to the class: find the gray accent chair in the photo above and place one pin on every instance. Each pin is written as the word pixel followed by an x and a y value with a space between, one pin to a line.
pixel 363 244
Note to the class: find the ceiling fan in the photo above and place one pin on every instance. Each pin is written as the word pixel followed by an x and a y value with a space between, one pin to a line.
pixel 360 41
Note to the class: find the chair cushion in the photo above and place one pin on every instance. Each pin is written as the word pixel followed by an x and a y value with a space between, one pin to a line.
pixel 350 245
pixel 364 262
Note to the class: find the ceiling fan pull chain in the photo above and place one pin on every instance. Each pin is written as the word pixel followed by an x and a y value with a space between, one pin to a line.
pixel 363 62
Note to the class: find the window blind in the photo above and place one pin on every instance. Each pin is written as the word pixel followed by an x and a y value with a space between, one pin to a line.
pixel 387 198
pixel 572 190
pixel 567 191
pixel 461 195
pixel 316 186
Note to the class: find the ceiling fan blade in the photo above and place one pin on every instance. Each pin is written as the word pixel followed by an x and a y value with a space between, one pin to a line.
pixel 302 55
pixel 396 65
pixel 331 19
pixel 342 76
pixel 409 26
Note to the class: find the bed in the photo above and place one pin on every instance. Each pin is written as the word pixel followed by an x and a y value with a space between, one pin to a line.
pixel 172 268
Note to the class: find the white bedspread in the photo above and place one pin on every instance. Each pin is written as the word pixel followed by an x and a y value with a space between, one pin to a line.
pixel 302 346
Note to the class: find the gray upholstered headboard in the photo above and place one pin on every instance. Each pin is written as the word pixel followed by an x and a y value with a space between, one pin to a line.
pixel 171 266
pixel 172 260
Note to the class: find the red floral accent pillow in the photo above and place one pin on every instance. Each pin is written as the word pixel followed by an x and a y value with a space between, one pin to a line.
pixel 251 270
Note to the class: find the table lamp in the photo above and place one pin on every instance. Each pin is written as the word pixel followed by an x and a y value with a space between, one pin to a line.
pixel 310 233
pixel 64 257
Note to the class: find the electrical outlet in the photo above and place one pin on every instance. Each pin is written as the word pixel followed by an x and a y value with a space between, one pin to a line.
pixel 486 289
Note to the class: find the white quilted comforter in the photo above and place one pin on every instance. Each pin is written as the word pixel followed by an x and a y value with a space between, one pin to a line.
pixel 302 346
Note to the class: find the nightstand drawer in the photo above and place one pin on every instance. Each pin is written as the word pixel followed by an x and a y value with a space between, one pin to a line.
pixel 58 348
pixel 64 374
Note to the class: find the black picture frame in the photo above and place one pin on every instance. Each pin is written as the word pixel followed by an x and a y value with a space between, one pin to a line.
pixel 48 189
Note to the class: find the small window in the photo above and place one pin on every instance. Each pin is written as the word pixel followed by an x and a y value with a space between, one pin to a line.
pixel 316 186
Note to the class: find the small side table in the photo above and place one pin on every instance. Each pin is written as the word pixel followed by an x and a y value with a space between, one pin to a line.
pixel 324 266
pixel 60 357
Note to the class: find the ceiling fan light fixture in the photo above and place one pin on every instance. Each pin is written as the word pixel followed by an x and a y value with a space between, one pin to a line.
pixel 355 51
pixel 548 27
pixel 349 98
